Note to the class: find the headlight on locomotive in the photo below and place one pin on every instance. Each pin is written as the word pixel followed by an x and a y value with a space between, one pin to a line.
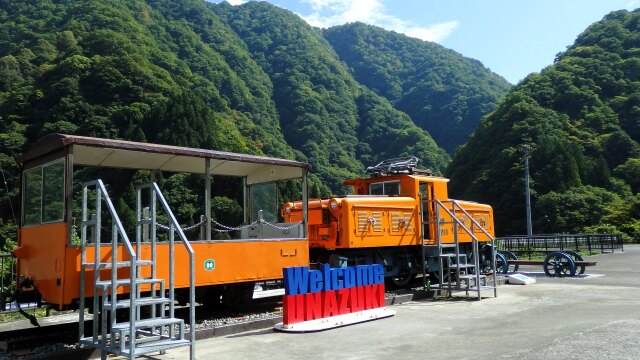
pixel 333 204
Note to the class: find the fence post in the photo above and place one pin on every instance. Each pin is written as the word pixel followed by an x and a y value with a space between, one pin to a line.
pixel 611 240
pixel 203 227
pixel 546 245
pixel 589 244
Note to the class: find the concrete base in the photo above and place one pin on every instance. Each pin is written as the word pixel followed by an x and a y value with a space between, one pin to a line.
pixel 335 321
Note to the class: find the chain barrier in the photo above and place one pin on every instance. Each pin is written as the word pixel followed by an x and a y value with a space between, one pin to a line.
pixel 186 228
pixel 224 228
pixel 284 228
pixel 229 228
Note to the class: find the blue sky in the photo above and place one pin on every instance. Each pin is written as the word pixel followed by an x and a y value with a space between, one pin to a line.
pixel 511 37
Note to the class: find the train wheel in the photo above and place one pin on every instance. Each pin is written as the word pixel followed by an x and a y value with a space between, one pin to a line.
pixel 576 257
pixel 402 280
pixel 502 265
pixel 238 295
pixel 559 264
pixel 213 297
pixel 510 256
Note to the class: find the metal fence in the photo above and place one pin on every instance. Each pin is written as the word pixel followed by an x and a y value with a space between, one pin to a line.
pixel 592 243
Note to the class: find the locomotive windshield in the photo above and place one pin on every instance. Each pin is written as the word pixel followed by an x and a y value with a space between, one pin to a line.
pixel 389 188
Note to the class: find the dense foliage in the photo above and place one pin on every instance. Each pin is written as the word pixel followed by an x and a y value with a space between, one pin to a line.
pixel 257 79
pixel 253 79
pixel 336 123
pixel 581 116
pixel 442 91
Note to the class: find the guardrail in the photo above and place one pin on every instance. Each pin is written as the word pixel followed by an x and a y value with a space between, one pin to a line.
pixel 523 244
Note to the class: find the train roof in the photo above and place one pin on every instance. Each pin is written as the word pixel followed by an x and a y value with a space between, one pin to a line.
pixel 112 153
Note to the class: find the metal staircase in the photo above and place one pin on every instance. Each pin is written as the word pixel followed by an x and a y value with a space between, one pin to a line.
pixel 457 271
pixel 130 316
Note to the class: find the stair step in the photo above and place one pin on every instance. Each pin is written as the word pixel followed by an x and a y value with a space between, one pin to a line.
pixel 124 327
pixel 482 287
pixel 108 265
pixel 456 288
pixel 127 282
pixel 448 245
pixel 472 276
pixel 142 346
pixel 452 255
pixel 160 345
pixel 462 266
pixel 126 303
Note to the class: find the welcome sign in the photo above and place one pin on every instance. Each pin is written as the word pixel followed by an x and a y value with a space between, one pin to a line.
pixel 331 297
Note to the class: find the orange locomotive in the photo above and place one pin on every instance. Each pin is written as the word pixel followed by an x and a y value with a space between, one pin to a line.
pixel 391 220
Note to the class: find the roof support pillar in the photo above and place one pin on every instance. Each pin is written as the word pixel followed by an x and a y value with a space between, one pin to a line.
pixel 207 197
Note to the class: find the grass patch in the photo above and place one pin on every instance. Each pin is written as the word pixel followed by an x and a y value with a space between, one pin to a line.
pixel 14 315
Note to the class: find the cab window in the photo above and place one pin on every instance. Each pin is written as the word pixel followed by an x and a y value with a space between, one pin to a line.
pixel 44 193
pixel 264 202
pixel 389 188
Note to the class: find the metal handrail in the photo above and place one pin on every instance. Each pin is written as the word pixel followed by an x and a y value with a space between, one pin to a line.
pixel 175 226
pixel 454 218
pixel 102 191
pixel 492 239
pixel 112 212
pixel 455 202
pixel 473 237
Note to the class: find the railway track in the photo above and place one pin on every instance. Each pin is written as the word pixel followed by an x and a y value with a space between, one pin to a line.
pixel 57 336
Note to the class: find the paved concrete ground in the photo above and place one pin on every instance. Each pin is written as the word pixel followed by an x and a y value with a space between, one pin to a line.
pixel 594 318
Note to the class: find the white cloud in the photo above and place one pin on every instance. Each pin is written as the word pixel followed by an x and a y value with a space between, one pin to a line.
pixel 632 4
pixel 236 2
pixel 327 13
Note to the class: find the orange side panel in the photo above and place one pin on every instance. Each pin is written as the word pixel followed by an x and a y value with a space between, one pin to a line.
pixel 315 216
pixel 378 222
pixel 233 261
pixel 45 258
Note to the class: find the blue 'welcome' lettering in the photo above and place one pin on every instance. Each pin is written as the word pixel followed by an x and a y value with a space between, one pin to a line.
pixel 296 280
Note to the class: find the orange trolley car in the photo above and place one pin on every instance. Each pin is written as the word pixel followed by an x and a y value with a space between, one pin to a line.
pixel 49 259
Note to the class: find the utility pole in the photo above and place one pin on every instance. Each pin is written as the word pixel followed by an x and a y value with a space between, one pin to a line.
pixel 526 149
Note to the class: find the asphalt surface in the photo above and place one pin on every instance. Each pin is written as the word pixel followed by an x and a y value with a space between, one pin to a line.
pixel 597 317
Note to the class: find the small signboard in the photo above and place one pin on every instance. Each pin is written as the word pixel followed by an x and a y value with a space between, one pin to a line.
pixel 331 297
pixel 209 264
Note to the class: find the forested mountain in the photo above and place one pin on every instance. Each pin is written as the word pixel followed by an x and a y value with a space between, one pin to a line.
pixel 257 79
pixel 581 116
pixel 442 91
pixel 253 78
pixel 336 123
